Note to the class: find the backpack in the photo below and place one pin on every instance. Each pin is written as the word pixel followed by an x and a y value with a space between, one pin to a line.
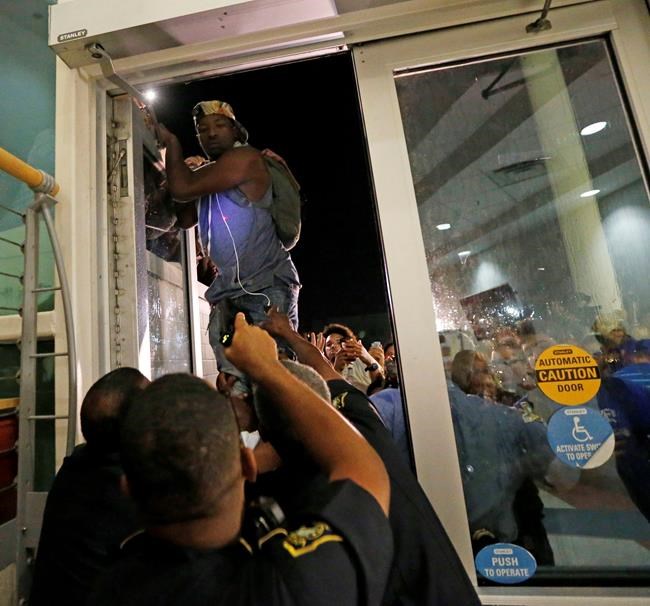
pixel 286 203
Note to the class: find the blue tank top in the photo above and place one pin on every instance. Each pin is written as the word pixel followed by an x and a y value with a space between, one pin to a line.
pixel 240 237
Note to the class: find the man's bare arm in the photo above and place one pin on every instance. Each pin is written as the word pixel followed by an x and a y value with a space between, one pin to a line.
pixel 278 325
pixel 242 166
pixel 186 214
pixel 336 447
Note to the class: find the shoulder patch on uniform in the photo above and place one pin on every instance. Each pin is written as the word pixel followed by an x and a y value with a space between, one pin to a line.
pixel 308 538
pixel 531 417
pixel 528 414
pixel 339 401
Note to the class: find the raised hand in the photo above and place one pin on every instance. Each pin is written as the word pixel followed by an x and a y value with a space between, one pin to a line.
pixel 194 162
pixel 317 340
pixel 377 353
pixel 277 323
pixel 164 135
pixel 252 349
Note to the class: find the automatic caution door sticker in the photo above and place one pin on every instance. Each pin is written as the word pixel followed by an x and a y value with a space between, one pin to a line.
pixel 580 437
pixel 567 374
pixel 505 563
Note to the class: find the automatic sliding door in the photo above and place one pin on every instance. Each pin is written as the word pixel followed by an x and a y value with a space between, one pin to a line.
pixel 526 212
pixel 535 219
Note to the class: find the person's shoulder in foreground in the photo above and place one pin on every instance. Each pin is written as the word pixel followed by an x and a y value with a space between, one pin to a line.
pixel 331 557
pixel 427 570
pixel 86 516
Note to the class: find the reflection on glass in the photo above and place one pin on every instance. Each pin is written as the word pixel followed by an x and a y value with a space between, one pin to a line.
pixel 12 261
pixel 27 131
pixel 169 326
pixel 546 245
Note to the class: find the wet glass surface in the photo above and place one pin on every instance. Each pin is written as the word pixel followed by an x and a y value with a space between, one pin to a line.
pixel 27 131
pixel 169 322
pixel 534 213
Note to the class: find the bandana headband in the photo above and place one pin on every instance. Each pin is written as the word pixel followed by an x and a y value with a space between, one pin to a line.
pixel 206 108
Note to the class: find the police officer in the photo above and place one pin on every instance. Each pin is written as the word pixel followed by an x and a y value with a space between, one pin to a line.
pixel 186 470
pixel 86 515
pixel 426 570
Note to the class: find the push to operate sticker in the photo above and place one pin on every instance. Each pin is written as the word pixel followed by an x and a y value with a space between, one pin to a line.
pixel 580 437
pixel 505 563
pixel 567 374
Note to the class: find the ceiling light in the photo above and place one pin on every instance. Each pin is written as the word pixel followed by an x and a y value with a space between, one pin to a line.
pixel 463 254
pixel 591 192
pixel 150 95
pixel 592 129
pixel 443 226
pixel 541 268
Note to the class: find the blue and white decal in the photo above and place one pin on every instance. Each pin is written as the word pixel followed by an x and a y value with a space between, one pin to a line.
pixel 580 437
pixel 505 563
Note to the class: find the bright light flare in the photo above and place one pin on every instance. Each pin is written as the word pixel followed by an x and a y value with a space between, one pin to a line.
pixel 592 129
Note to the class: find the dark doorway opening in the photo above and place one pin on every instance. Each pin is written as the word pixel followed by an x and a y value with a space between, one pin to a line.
pixel 309 113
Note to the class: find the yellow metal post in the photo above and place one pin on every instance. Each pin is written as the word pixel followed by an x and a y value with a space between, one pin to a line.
pixel 34 178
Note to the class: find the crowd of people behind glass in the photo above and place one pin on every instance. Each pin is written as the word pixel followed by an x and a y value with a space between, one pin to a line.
pixel 492 378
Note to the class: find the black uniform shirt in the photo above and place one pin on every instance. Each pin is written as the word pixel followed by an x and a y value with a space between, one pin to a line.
pixel 86 518
pixel 341 557
pixel 426 570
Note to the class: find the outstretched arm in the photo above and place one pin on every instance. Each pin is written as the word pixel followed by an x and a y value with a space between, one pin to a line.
pixel 236 167
pixel 278 325
pixel 335 446
pixel 186 214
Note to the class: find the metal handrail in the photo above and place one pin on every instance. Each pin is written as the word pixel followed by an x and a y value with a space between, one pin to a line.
pixel 44 188
pixel 69 324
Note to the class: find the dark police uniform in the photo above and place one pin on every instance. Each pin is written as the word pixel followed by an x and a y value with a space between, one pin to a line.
pixel 86 518
pixel 426 570
pixel 498 449
pixel 339 555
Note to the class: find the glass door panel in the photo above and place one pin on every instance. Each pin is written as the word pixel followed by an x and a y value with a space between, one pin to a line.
pixel 167 280
pixel 151 316
pixel 534 213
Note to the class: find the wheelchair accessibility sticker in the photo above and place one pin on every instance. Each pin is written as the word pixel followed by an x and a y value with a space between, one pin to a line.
pixel 567 374
pixel 505 563
pixel 580 437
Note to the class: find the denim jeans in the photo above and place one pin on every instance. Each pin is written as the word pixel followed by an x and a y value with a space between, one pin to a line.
pixel 222 315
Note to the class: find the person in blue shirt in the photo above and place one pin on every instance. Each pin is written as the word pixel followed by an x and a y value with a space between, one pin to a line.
pixel 230 199
pixel 625 400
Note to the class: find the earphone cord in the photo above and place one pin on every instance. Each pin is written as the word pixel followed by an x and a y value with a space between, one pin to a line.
pixel 234 247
